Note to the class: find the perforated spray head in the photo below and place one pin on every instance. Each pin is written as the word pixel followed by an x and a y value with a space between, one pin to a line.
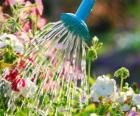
pixel 76 22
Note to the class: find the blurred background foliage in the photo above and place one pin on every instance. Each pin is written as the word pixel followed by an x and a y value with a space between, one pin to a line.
pixel 116 23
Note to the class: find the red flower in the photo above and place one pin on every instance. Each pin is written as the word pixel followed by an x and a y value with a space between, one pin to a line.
pixel 21 64
pixel 33 79
pixel 12 76
pixel 18 84
pixel 31 59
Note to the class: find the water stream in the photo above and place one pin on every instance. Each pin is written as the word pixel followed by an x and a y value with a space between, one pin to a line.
pixel 57 58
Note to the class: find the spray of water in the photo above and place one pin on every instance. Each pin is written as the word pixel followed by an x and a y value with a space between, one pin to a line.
pixel 57 58
pixel 55 62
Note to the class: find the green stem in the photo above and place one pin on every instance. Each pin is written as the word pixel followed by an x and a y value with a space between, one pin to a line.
pixel 89 68
pixel 121 85
pixel 88 78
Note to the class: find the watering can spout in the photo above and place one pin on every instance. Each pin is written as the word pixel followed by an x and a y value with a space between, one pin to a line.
pixel 84 9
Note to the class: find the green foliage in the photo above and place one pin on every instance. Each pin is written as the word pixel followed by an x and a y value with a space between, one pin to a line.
pixel 91 108
pixel 22 112
pixel 102 109
pixel 92 54
pixel 9 55
pixel 122 73
pixel 92 51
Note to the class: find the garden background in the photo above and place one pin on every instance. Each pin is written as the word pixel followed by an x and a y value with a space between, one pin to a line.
pixel 117 24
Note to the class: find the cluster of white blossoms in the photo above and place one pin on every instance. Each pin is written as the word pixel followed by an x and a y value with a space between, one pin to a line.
pixel 105 90
pixel 103 87
pixel 13 41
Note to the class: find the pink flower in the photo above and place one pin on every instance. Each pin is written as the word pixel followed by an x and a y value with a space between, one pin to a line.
pixel 36 11
pixel 12 2
pixel 71 72
pixel 41 22
pixel 79 74
pixel 51 86
pixel 27 26
pixel 39 6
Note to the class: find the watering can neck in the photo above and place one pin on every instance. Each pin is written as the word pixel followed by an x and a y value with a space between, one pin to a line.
pixel 84 9
pixel 75 23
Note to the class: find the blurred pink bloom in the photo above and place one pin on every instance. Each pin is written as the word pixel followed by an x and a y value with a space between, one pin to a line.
pixel 23 36
pixel 38 9
pixel 9 2
pixel 41 22
pixel 69 72
pixel 51 86
pixel 27 26
pixel 12 2
pixel 79 74
pixel 34 11
pixel 39 6
pixel 38 12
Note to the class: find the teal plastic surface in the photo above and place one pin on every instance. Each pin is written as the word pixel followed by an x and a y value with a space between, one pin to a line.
pixel 76 22
pixel 84 9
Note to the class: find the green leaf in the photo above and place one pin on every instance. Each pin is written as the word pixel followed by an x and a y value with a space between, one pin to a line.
pixel 9 56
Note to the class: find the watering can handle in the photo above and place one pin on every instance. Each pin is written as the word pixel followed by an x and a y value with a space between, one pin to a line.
pixel 84 9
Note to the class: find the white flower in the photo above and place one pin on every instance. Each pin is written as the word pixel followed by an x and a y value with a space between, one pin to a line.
pixel 13 41
pixel 5 88
pixel 136 100
pixel 103 87
pixel 114 97
pixel 29 89
pixel 123 96
pixel 95 97
pixel 2 44
pixel 130 92
pixel 125 107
